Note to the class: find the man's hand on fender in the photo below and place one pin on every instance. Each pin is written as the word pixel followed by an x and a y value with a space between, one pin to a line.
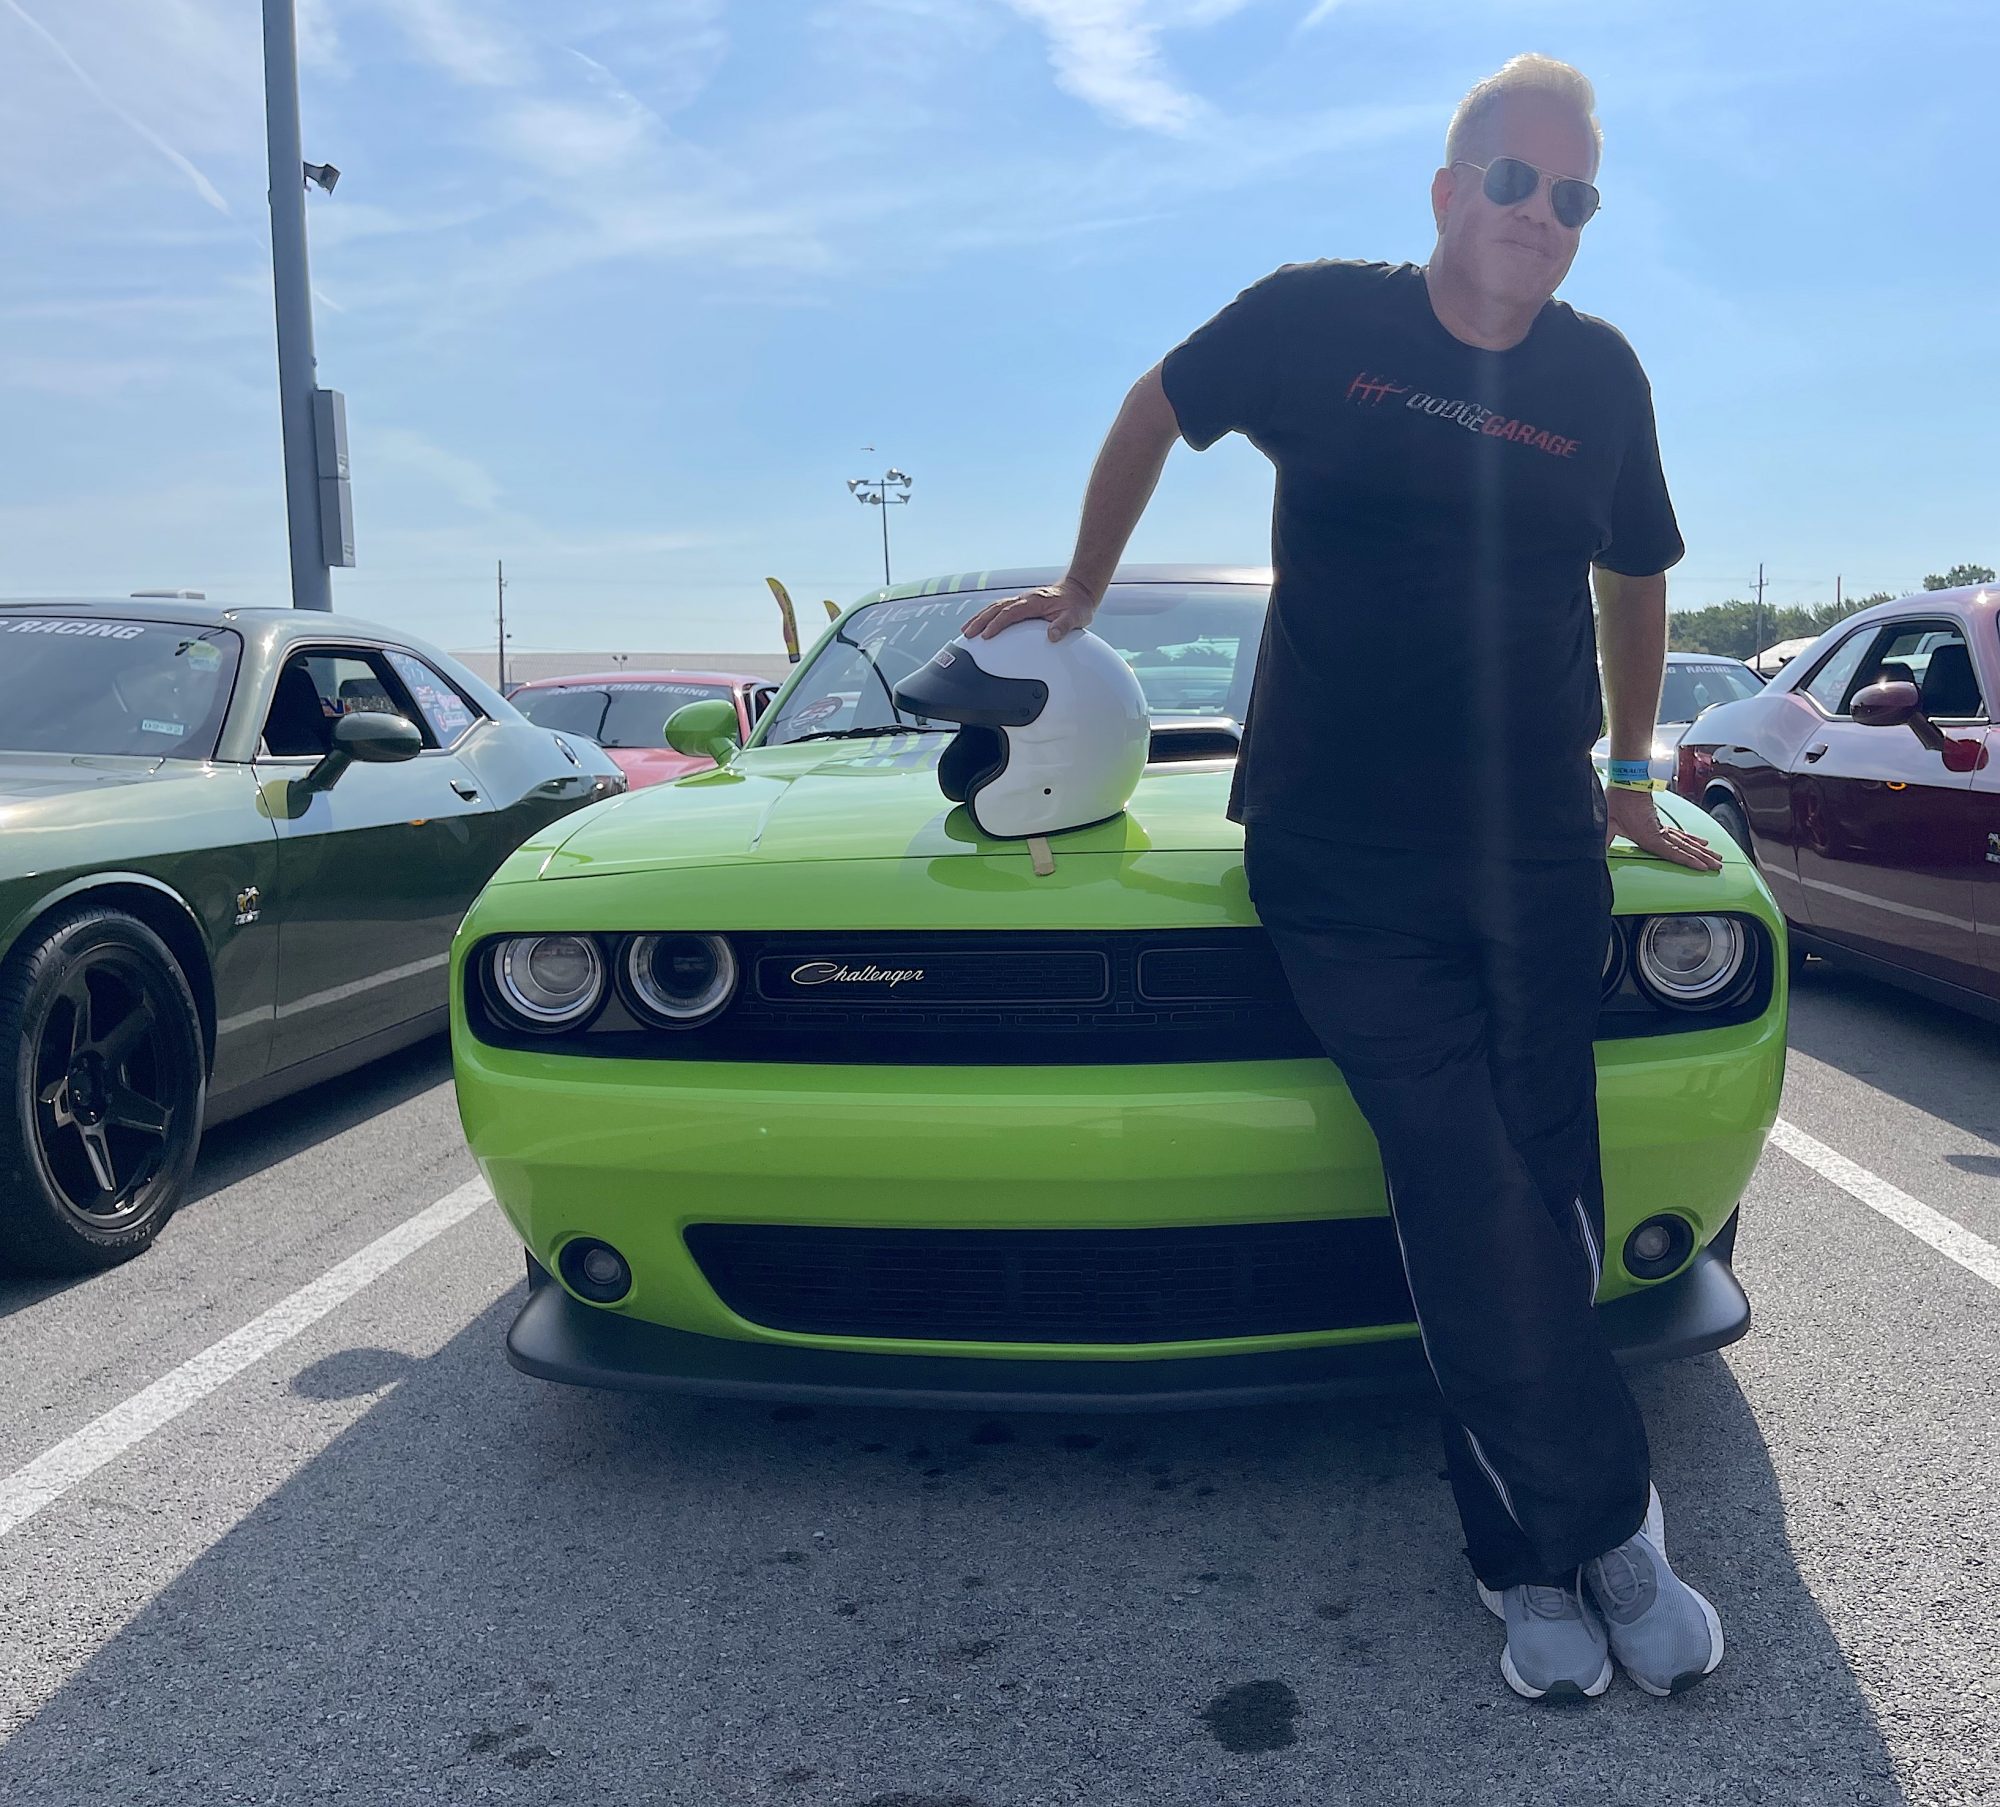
pixel 1066 607
pixel 1632 814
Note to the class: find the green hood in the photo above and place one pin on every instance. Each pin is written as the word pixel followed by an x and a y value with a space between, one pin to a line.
pixel 866 800
pixel 879 800
pixel 38 779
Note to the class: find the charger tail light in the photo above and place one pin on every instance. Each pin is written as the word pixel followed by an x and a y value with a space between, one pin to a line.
pixel 1692 770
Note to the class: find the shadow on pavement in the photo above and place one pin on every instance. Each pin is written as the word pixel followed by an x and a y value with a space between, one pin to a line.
pixel 493 1589
pixel 240 1150
pixel 246 1146
pixel 1941 1060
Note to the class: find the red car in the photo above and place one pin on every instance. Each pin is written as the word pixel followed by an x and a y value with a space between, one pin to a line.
pixel 1865 782
pixel 626 712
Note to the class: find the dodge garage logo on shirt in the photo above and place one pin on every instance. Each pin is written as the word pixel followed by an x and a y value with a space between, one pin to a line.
pixel 1370 391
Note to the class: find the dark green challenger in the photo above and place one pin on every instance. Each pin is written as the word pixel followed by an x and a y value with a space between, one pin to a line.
pixel 234 845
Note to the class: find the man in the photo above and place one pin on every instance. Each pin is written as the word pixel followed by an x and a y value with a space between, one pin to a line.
pixel 1456 452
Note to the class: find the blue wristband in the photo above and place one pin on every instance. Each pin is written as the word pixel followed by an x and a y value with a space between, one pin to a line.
pixel 1631 771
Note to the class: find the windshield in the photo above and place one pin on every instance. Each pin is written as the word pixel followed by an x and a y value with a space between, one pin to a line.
pixel 1689 689
pixel 76 684
pixel 615 715
pixel 1192 646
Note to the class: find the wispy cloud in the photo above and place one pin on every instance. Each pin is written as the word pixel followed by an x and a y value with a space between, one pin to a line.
pixel 1107 53
pixel 465 480
pixel 201 184
pixel 85 378
pixel 470 49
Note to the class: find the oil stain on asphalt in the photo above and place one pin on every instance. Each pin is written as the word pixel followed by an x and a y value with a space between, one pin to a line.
pixel 1253 1716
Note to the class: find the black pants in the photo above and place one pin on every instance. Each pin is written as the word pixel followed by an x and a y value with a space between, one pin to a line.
pixel 1458 996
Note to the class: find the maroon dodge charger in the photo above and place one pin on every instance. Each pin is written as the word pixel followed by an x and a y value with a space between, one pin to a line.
pixel 1865 782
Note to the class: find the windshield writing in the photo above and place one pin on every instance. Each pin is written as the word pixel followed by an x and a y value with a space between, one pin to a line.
pixel 92 686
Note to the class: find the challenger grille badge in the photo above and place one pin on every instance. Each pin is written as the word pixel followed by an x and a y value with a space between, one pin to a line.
pixel 832 972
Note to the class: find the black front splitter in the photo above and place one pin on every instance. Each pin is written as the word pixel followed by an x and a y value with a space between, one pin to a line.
pixel 556 1337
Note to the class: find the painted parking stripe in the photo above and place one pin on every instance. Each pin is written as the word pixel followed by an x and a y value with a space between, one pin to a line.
pixel 1950 1238
pixel 51 1475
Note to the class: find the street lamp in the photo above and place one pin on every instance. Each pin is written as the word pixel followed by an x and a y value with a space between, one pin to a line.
pixel 882 492
pixel 319 511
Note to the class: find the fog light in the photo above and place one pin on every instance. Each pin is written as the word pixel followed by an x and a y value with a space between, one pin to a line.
pixel 1657 1247
pixel 595 1270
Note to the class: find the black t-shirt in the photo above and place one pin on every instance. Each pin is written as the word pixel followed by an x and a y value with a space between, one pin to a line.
pixel 1429 669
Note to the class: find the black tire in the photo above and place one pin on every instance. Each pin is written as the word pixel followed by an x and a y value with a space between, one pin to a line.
pixel 1729 818
pixel 109 1082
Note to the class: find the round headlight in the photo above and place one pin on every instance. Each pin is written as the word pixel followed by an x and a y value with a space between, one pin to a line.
pixel 1691 961
pixel 1614 961
pixel 680 980
pixel 548 981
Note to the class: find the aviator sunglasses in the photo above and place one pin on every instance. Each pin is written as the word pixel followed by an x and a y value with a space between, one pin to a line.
pixel 1509 181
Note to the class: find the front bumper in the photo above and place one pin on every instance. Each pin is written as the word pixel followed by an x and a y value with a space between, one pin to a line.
pixel 557 1338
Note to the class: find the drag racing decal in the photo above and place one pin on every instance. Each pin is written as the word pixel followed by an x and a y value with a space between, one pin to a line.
pixel 81 630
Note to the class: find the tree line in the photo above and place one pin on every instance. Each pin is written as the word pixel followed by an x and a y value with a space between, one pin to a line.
pixel 1738 630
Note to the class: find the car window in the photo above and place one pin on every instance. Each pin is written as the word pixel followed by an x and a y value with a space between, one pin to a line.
pixel 91 684
pixel 1933 656
pixel 315 689
pixel 1690 688
pixel 569 708
pixel 637 713
pixel 446 713
pixel 1193 648
pixel 1834 682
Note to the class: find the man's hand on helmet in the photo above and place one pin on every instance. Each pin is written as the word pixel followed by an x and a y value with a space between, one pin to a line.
pixel 1066 607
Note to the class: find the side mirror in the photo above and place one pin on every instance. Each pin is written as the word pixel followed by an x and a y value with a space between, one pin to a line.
pixel 705 730
pixel 1896 704
pixel 370 738
pixel 1892 704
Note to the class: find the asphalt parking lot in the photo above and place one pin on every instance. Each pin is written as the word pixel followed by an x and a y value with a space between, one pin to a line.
pixel 370 1563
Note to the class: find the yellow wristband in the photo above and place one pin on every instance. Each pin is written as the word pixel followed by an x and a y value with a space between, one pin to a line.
pixel 1633 784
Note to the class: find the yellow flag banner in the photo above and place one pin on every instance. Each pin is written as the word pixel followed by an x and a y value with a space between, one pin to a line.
pixel 786 615
pixel 832 608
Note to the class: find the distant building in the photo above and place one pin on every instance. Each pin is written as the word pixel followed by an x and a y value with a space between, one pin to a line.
pixel 523 666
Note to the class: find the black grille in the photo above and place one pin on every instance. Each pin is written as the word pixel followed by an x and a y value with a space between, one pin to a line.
pixel 1035 998
pixel 1058 1286
pixel 923 976
pixel 1126 997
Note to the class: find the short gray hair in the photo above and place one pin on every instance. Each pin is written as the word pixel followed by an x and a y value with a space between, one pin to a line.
pixel 1529 74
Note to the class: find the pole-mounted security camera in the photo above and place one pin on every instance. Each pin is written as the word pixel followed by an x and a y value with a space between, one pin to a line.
pixel 324 174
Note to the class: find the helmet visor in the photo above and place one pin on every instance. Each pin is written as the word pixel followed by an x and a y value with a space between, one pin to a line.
pixel 952 688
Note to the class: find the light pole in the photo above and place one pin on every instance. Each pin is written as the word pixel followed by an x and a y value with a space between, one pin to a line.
pixel 883 492
pixel 318 513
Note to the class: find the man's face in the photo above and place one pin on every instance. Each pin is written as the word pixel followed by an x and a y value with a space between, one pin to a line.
pixel 1519 252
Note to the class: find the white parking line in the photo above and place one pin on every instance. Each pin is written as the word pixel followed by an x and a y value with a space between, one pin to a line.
pixel 51 1475
pixel 1950 1238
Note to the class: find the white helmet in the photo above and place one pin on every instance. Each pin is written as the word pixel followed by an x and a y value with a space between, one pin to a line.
pixel 1053 733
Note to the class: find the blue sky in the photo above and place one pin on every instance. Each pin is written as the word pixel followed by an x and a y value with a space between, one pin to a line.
pixel 618 289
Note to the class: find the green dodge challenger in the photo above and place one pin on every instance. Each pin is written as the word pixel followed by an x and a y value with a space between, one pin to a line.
pixel 795 1085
